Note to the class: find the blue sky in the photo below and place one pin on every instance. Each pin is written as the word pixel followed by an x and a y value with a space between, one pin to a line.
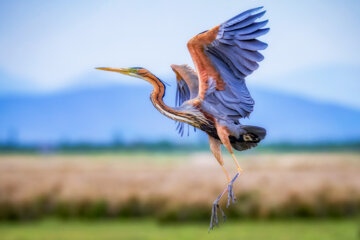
pixel 47 46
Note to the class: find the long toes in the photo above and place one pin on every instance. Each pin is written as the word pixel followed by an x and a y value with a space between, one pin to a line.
pixel 231 197
pixel 214 217
pixel 222 213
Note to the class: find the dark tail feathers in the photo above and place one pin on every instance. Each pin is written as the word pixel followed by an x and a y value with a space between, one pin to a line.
pixel 250 139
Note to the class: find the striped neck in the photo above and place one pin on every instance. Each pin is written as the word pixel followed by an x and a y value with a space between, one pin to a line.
pixel 157 96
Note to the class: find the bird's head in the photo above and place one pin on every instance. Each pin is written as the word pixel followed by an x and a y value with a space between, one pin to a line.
pixel 138 72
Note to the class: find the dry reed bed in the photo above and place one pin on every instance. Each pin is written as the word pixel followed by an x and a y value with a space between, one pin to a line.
pixel 316 184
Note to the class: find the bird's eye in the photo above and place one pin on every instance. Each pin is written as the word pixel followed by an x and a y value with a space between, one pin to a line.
pixel 133 70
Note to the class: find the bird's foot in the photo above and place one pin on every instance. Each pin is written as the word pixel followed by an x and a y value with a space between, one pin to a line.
pixel 215 207
pixel 231 197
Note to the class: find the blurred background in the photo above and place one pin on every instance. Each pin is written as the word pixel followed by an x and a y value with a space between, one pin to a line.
pixel 85 155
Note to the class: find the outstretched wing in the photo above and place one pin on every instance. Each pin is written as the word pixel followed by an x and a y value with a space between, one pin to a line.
pixel 187 83
pixel 182 92
pixel 223 57
pixel 187 87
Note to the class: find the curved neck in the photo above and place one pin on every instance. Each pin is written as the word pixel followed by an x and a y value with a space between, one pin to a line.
pixel 157 96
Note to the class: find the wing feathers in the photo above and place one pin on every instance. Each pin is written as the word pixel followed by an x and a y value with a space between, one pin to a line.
pixel 236 42
pixel 234 53
pixel 187 87
pixel 249 64
pixel 227 60
pixel 231 49
pixel 227 42
pixel 251 55
pixel 252 45
pixel 253 35
pixel 241 16
pixel 251 28
pixel 182 92
pixel 246 22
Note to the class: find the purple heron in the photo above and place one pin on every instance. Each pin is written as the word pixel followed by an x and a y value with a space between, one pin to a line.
pixel 215 97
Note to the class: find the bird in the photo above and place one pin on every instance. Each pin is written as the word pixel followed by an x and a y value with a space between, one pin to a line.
pixel 214 97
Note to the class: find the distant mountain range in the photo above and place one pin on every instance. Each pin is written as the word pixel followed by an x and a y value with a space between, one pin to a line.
pixel 123 112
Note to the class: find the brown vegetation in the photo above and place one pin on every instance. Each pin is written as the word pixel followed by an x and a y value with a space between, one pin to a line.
pixel 174 187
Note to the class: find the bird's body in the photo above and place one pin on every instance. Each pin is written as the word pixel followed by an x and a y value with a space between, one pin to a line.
pixel 215 97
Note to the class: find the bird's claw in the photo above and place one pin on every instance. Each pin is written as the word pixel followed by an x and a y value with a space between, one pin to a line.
pixel 214 217
pixel 231 197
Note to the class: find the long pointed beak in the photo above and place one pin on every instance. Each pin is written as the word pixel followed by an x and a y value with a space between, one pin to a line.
pixel 119 70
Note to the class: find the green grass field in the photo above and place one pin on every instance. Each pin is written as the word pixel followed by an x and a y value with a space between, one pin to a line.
pixel 146 230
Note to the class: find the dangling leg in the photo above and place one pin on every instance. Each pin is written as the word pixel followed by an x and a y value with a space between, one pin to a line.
pixel 223 134
pixel 215 147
